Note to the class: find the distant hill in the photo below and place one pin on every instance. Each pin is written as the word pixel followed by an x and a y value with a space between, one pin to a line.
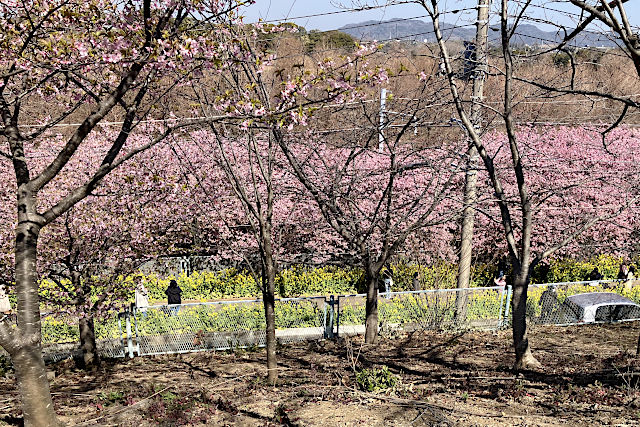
pixel 414 29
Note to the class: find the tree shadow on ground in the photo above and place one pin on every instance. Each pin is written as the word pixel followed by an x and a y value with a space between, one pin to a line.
pixel 13 421
pixel 208 372
pixel 452 361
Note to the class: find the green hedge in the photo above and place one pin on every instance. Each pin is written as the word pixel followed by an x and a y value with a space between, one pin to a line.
pixel 62 330
pixel 294 282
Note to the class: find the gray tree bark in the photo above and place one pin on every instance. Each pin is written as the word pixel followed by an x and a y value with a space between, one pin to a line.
pixel 86 328
pixel 371 320
pixel 25 348
pixel 268 296
pixel 90 356
pixel 524 357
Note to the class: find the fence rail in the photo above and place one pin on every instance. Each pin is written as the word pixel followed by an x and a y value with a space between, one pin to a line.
pixel 192 327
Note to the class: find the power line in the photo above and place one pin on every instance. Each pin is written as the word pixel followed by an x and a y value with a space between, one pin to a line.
pixel 455 11
pixel 186 119
pixel 530 101
pixel 381 41
pixel 443 124
pixel 335 12
pixel 564 12
pixel 580 121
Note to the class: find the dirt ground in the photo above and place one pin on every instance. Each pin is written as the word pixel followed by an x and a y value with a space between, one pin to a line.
pixel 590 378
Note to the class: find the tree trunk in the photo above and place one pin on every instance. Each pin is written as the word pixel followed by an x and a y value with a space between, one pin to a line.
pixel 371 323
pixel 268 296
pixel 466 242
pixel 90 357
pixel 37 405
pixel 524 358
pixel 270 317
pixel 86 328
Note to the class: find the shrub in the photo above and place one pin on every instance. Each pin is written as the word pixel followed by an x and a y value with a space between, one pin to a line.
pixel 372 380
pixel 298 281
pixel 569 270
pixel 111 397
pixel 59 330
pixel 561 59
pixel 231 283
pixel 441 275
pixel 204 285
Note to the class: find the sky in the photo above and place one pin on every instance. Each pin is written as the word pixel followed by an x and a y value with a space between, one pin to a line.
pixel 286 9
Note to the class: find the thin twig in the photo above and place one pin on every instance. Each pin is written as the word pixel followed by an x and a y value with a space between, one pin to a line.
pixel 419 416
pixel 71 394
pixel 627 374
pixel 482 378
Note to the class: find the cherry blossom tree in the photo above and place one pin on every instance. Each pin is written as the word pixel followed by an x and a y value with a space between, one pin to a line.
pixel 571 177
pixel 260 102
pixel 516 210
pixel 138 212
pixel 370 202
pixel 76 64
pixel 375 200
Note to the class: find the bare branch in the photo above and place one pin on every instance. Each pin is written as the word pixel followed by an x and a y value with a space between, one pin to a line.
pixel 613 126
pixel 85 128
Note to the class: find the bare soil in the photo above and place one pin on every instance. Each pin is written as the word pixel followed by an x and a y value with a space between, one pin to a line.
pixel 590 378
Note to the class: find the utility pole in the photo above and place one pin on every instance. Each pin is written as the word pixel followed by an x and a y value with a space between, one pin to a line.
pixel 479 76
pixel 382 121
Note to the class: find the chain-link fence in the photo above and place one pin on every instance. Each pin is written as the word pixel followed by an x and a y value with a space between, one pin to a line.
pixel 61 336
pixel 224 325
pixel 583 302
pixel 440 309
pixel 162 329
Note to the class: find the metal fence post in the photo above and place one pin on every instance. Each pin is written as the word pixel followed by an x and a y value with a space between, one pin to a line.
pixel 503 298
pixel 338 319
pixel 507 303
pixel 329 324
pixel 135 325
pixel 324 318
pixel 127 317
